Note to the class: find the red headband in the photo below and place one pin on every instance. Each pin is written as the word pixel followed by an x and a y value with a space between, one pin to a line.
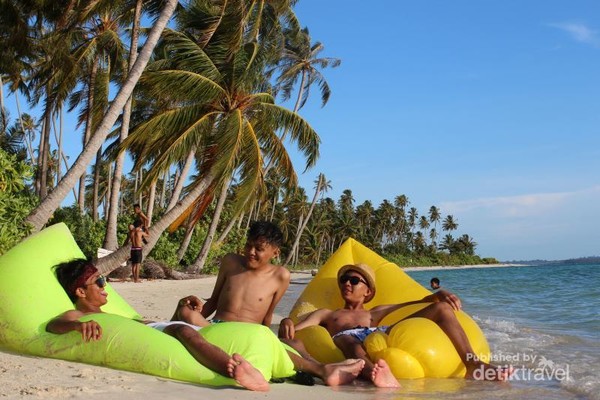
pixel 87 272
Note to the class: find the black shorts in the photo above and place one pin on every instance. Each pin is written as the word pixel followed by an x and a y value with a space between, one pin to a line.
pixel 136 256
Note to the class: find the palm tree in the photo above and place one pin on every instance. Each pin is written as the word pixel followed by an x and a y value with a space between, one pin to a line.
pixel 300 60
pixel 218 114
pixel 447 243
pixel 40 215
pixel 384 217
pixel 110 238
pixel 466 244
pixel 423 223
pixel 203 255
pixel 449 225
pixel 319 188
pixel 434 218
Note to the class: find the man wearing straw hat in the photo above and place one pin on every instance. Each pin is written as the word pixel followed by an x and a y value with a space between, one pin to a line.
pixel 349 326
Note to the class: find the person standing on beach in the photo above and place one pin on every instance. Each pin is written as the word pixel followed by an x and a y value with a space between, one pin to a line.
pixel 85 287
pixel 350 326
pixel 136 238
pixel 249 287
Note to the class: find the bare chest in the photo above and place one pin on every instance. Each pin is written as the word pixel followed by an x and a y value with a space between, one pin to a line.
pixel 248 291
pixel 347 319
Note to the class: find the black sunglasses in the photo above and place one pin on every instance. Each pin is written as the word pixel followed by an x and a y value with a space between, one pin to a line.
pixel 101 282
pixel 354 280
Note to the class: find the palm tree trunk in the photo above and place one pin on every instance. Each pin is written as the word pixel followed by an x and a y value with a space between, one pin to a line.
pixel 88 130
pixel 108 191
pixel 226 231
pixel 190 226
pixel 189 232
pixel 40 215
pixel 230 225
pixel 163 193
pixel 109 263
pixel 151 199
pixel 319 250
pixel 60 146
pixel 110 237
pixel 96 186
pixel 140 191
pixel 198 265
pixel 302 224
pixel 241 220
pixel 25 133
pixel 275 198
pixel 179 185
pixel 43 158
pixel 300 94
pixel 2 108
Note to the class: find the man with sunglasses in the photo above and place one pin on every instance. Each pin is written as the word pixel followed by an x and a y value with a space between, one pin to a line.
pixel 349 326
pixel 85 287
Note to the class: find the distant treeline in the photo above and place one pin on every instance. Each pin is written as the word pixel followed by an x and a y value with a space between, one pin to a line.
pixel 570 261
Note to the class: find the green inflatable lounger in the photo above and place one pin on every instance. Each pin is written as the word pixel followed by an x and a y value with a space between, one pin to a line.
pixel 30 296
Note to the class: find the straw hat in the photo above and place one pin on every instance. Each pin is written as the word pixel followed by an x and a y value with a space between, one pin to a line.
pixel 365 271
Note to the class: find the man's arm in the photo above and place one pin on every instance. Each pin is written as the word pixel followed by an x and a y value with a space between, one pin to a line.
pixel 287 329
pixel 444 296
pixel 283 277
pixel 189 310
pixel 227 265
pixel 379 312
pixel 68 322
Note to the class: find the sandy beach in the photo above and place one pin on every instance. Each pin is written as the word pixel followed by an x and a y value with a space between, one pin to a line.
pixel 23 376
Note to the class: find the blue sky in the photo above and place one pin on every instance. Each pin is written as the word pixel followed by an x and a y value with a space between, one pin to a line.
pixel 489 110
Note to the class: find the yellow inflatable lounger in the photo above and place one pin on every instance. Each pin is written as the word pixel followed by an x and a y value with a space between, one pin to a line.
pixel 415 348
pixel 30 296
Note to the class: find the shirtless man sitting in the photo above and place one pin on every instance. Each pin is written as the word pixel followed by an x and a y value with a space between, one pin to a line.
pixel 349 326
pixel 85 287
pixel 249 287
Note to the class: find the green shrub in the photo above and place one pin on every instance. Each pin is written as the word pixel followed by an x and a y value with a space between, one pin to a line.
pixel 16 200
pixel 88 234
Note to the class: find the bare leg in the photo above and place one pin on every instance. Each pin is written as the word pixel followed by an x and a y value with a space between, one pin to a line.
pixel 443 315
pixel 379 372
pixel 332 374
pixel 135 272
pixel 298 345
pixel 217 360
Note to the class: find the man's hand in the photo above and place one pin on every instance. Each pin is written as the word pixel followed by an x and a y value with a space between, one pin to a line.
pixel 90 330
pixel 191 302
pixel 287 329
pixel 450 298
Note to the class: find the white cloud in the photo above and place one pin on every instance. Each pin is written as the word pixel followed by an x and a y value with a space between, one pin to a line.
pixel 517 206
pixel 556 225
pixel 579 32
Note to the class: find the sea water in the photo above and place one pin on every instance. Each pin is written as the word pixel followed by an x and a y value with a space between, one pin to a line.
pixel 542 320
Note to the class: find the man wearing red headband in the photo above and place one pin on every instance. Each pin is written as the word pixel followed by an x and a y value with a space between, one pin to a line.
pixel 85 287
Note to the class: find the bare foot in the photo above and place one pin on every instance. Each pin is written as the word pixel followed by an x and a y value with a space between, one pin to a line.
pixel 342 373
pixel 481 371
pixel 246 375
pixel 382 375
